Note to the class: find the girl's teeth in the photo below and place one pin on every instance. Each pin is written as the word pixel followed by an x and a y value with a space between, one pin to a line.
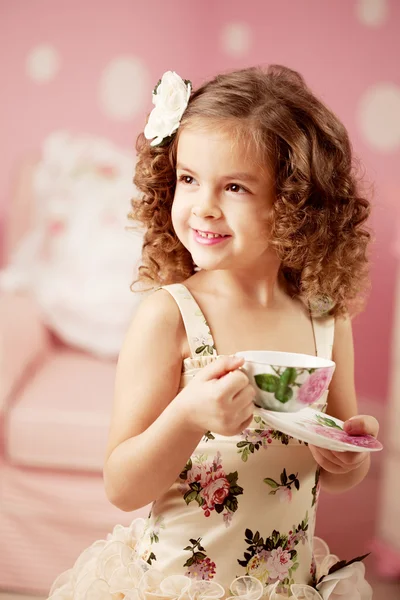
pixel 209 235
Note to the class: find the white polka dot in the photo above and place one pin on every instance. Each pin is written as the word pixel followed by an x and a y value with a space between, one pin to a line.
pixel 379 116
pixel 124 88
pixel 236 39
pixel 42 63
pixel 372 13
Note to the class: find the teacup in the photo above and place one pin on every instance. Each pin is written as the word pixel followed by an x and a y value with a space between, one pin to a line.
pixel 285 381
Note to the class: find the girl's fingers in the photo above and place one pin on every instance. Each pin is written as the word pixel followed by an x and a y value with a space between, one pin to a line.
pixel 334 462
pixel 362 425
pixel 245 396
pixel 350 458
pixel 246 422
pixel 327 454
pixel 220 367
pixel 233 384
pixel 325 463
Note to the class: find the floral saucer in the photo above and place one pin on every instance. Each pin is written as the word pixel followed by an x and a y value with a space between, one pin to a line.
pixel 317 428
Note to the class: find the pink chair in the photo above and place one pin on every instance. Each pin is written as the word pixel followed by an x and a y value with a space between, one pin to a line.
pixel 55 404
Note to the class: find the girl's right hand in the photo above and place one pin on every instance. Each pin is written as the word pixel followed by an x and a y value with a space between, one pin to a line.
pixel 219 398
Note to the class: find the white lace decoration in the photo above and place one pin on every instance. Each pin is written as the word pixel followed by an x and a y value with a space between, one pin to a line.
pixel 113 568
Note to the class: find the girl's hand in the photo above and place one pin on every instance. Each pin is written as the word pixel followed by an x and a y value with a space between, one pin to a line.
pixel 344 462
pixel 220 398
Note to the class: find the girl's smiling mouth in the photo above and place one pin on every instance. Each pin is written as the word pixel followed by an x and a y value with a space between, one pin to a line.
pixel 209 237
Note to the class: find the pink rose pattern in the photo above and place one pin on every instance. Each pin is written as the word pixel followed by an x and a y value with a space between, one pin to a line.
pixel 279 563
pixel 216 490
pixel 288 383
pixel 313 388
pixel 274 559
pixel 206 483
pixel 329 428
pixel 199 566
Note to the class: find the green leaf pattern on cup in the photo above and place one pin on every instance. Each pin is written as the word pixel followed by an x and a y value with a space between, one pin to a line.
pixel 281 383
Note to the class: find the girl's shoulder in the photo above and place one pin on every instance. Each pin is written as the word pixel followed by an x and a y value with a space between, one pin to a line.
pixel 158 304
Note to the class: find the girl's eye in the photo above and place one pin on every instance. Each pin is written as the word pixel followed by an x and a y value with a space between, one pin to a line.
pixel 188 179
pixel 236 188
pixel 231 187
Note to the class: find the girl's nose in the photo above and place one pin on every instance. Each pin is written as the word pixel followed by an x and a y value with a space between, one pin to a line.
pixel 207 206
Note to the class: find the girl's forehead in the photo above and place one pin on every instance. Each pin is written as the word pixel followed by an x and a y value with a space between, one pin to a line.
pixel 218 146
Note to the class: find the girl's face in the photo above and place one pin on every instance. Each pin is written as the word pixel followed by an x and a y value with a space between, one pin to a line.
pixel 222 202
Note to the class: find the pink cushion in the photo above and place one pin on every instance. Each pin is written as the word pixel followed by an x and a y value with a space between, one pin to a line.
pixel 24 341
pixel 47 518
pixel 62 415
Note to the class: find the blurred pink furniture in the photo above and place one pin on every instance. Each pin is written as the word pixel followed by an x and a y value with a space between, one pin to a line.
pixel 55 404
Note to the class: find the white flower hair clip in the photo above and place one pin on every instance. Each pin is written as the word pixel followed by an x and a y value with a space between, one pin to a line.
pixel 170 98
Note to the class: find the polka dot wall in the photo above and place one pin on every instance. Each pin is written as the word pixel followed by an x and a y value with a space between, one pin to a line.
pixel 91 66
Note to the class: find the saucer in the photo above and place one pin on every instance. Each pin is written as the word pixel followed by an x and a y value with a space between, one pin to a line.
pixel 319 429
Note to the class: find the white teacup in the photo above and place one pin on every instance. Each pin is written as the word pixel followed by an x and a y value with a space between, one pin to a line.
pixel 285 381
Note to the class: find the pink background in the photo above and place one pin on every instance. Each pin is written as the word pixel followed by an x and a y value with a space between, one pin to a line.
pixel 340 56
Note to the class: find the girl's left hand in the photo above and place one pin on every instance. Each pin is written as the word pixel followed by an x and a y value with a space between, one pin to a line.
pixel 344 462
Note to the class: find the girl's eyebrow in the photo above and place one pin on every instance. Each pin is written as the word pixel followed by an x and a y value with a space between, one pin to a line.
pixel 183 168
pixel 243 176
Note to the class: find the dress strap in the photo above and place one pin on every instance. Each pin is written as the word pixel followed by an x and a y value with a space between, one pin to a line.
pixel 200 340
pixel 324 332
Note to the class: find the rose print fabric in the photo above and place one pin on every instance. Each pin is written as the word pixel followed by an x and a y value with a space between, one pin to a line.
pixel 241 514
pixel 250 499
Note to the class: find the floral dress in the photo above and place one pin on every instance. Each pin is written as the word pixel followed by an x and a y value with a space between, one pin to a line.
pixel 238 520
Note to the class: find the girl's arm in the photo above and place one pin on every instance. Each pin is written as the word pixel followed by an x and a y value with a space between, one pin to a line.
pixel 343 470
pixel 149 442
pixel 154 430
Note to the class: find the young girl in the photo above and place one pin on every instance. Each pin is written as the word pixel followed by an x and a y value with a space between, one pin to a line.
pixel 255 240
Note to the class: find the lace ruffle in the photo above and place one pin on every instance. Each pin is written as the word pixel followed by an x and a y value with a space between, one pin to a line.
pixel 191 366
pixel 113 569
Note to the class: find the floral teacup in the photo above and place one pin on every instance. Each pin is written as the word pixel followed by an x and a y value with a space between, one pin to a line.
pixel 285 381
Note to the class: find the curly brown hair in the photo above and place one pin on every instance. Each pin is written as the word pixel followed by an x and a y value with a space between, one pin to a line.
pixel 318 225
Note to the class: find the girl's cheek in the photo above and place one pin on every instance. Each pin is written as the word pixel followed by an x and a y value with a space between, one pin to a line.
pixel 174 213
pixel 179 213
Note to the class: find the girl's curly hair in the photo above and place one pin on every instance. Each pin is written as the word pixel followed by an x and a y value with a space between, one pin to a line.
pixel 318 225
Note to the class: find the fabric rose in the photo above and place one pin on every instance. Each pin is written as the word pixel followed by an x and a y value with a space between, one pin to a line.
pixel 348 582
pixel 170 98
pixel 313 388
pixel 279 563
pixel 284 494
pixel 257 567
pixel 216 490
pixel 197 472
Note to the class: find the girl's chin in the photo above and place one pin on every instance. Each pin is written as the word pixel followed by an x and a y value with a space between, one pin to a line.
pixel 210 264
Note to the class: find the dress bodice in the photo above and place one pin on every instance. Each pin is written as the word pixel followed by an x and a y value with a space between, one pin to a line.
pixel 242 505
